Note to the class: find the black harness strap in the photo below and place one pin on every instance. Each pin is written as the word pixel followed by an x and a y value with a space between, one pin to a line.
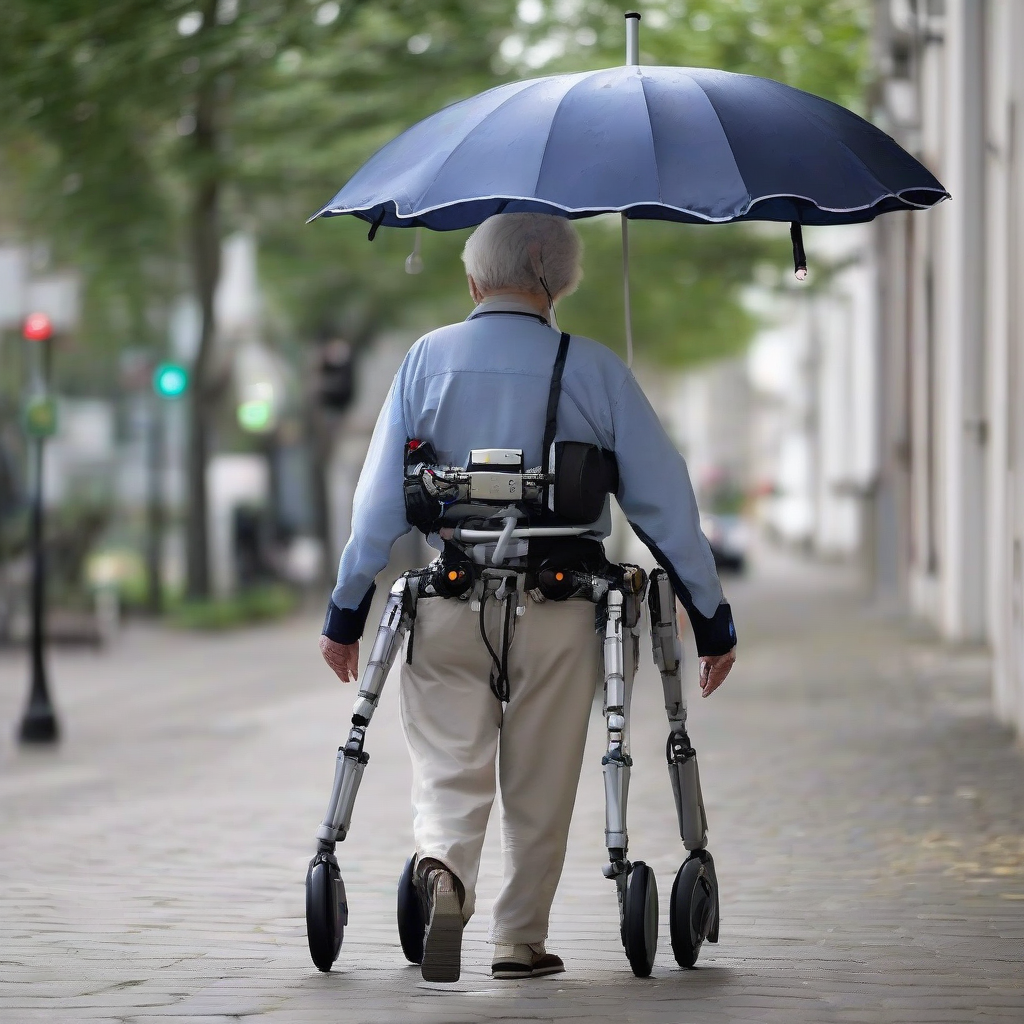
pixel 508 312
pixel 553 395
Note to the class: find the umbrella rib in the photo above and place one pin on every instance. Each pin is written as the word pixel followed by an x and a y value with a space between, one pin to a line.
pixel 544 151
pixel 823 126
pixel 519 92
pixel 725 135
pixel 654 148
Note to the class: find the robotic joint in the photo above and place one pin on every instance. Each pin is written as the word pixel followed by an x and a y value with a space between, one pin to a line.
pixel 617 758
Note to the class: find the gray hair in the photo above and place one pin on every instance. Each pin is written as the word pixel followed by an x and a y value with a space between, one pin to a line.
pixel 515 251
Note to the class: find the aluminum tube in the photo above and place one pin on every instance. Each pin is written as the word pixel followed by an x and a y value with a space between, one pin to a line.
pixel 327 829
pixel 503 541
pixel 616 794
pixel 632 38
pixel 385 647
pixel 349 789
pixel 693 821
pixel 520 534
pixel 614 683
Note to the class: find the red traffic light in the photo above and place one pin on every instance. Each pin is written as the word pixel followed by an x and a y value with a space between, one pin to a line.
pixel 37 327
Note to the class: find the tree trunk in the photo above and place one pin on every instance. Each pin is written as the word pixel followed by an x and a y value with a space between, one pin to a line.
pixel 204 231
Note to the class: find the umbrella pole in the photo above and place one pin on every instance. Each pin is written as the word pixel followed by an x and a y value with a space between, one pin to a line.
pixel 632 59
pixel 625 289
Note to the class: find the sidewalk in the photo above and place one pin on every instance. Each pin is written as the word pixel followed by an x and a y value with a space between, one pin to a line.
pixel 866 816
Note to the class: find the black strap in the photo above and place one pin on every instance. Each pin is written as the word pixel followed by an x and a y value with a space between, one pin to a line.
pixel 509 312
pixel 796 236
pixel 553 395
pixel 499 673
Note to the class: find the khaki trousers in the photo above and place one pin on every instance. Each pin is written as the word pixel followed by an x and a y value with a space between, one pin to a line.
pixel 457 732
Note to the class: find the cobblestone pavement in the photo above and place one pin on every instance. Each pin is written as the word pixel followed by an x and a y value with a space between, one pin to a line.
pixel 867 818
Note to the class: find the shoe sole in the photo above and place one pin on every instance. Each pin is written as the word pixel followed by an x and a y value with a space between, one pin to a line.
pixel 527 972
pixel 539 972
pixel 442 944
pixel 512 972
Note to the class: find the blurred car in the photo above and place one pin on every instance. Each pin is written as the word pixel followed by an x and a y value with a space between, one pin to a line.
pixel 729 538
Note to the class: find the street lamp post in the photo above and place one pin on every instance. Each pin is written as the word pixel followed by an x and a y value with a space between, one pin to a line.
pixel 39 723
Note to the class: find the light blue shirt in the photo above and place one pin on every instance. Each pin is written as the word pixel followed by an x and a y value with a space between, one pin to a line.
pixel 484 383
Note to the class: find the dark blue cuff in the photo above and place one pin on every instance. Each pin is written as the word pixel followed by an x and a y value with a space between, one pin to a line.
pixel 345 625
pixel 713 636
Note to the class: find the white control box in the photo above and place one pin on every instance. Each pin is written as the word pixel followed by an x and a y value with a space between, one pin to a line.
pixel 512 457
pixel 485 486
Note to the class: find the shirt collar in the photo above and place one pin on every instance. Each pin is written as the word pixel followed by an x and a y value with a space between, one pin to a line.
pixel 505 304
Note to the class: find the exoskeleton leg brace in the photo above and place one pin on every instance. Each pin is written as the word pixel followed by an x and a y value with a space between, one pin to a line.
pixel 622 612
pixel 348 772
pixel 682 758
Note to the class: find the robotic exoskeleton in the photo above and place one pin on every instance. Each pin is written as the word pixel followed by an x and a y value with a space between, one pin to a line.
pixel 487 515
pixel 618 596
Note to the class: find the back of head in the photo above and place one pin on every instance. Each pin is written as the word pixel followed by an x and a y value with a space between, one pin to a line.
pixel 524 252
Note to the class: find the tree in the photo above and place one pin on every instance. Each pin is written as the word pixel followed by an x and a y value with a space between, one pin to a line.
pixel 136 133
pixel 166 121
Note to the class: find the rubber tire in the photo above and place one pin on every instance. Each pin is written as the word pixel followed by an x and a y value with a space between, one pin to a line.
pixel 326 912
pixel 640 919
pixel 693 909
pixel 411 924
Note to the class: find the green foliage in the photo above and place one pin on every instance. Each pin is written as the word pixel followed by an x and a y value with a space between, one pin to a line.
pixel 685 282
pixel 817 45
pixel 259 604
pixel 99 150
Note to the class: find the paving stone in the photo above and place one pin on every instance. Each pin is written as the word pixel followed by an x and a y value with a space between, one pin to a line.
pixel 866 817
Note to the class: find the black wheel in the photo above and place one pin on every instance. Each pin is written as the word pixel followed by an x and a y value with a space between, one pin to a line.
pixel 326 910
pixel 640 919
pixel 693 912
pixel 410 915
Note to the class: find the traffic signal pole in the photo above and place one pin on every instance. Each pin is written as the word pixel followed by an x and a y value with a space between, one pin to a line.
pixel 39 723
pixel 155 510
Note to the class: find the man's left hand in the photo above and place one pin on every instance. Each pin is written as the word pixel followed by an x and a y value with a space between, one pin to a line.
pixel 343 658
pixel 714 669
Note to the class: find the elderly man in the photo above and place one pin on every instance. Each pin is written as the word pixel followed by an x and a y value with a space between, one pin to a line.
pixel 484 383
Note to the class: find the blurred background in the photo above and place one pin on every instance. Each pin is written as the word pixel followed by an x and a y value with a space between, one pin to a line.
pixel 217 365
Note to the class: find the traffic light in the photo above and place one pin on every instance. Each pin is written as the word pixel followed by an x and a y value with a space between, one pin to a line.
pixel 335 371
pixel 256 411
pixel 37 327
pixel 170 380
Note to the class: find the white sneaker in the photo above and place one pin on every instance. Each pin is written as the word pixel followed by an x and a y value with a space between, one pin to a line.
pixel 524 960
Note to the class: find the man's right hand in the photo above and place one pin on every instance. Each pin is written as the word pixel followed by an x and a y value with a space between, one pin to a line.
pixel 343 658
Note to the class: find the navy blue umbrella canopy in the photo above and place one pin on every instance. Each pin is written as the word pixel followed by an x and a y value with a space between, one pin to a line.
pixel 684 144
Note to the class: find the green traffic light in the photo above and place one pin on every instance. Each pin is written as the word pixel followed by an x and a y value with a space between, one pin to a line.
pixel 170 380
pixel 256 415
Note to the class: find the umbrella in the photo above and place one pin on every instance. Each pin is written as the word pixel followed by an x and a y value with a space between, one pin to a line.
pixel 694 145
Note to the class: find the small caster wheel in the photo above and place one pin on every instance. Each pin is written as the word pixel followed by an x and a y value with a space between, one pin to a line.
pixel 326 910
pixel 640 919
pixel 693 911
pixel 410 915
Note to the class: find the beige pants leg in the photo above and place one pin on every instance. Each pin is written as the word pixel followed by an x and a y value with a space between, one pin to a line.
pixel 453 724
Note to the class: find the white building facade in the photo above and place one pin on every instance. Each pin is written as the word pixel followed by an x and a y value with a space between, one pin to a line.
pixel 950 494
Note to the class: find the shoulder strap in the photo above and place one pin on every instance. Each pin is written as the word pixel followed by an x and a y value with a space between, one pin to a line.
pixel 553 395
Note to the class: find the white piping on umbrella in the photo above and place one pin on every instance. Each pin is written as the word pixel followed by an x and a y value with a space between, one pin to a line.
pixel 593 211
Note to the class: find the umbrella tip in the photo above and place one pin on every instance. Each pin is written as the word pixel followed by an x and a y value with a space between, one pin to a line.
pixel 632 38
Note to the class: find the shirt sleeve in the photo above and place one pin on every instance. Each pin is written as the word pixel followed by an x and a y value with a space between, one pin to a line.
pixel 378 519
pixel 656 494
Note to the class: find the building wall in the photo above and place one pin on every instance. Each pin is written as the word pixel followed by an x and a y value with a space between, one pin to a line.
pixel 950 340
